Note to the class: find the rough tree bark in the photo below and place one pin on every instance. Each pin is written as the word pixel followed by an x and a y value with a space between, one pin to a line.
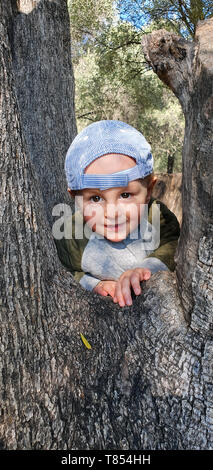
pixel 168 189
pixel 147 381
pixel 170 164
pixel 187 68
pixel 41 58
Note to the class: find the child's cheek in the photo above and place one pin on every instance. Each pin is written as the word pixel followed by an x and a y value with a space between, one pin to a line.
pixel 93 217
pixel 133 212
pixel 90 222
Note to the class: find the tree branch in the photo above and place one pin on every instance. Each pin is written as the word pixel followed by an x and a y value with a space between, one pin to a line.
pixel 145 381
pixel 165 52
pixel 187 69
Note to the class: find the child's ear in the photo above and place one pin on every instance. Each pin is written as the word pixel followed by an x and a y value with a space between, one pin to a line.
pixel 150 189
pixel 72 192
pixel 154 181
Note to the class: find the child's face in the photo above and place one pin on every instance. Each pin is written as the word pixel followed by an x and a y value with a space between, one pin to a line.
pixel 114 212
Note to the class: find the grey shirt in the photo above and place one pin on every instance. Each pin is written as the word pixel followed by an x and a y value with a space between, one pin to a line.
pixel 103 259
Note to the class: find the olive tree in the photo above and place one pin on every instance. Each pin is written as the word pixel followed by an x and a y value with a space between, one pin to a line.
pixel 146 379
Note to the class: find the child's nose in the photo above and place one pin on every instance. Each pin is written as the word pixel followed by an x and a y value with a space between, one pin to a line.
pixel 113 212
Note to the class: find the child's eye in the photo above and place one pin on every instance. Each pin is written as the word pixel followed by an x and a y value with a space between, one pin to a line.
pixel 95 198
pixel 125 195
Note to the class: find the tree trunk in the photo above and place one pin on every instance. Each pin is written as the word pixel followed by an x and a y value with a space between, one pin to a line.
pixel 170 164
pixel 168 189
pixel 146 381
pixel 187 68
pixel 41 51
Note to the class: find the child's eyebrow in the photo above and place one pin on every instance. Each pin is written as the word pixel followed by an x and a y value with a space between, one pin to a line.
pixel 99 191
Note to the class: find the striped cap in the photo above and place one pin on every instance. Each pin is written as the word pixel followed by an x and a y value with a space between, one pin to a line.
pixel 101 138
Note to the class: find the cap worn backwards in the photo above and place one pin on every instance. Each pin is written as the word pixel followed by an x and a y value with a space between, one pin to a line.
pixel 102 138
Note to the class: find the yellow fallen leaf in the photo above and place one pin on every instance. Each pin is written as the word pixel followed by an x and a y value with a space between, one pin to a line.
pixel 86 343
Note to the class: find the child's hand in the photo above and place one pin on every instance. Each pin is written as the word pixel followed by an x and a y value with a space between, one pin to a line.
pixel 105 287
pixel 130 278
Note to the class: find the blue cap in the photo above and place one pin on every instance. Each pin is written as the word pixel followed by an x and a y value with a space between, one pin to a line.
pixel 101 138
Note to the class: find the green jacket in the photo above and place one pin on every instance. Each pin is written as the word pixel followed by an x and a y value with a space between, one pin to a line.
pixel 70 251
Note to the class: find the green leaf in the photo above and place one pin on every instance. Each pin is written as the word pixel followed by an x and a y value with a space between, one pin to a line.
pixel 86 343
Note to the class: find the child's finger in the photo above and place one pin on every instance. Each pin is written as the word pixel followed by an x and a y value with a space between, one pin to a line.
pixel 111 290
pixel 126 290
pixel 102 291
pixel 145 274
pixel 118 294
pixel 135 282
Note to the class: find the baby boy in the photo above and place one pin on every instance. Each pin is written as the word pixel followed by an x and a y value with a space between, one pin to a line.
pixel 109 170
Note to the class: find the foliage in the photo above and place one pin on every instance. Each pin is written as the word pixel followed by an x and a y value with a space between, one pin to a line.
pixel 164 129
pixel 114 82
pixel 88 17
pixel 143 102
pixel 181 15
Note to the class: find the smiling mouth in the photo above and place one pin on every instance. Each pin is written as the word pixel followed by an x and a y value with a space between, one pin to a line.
pixel 115 227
